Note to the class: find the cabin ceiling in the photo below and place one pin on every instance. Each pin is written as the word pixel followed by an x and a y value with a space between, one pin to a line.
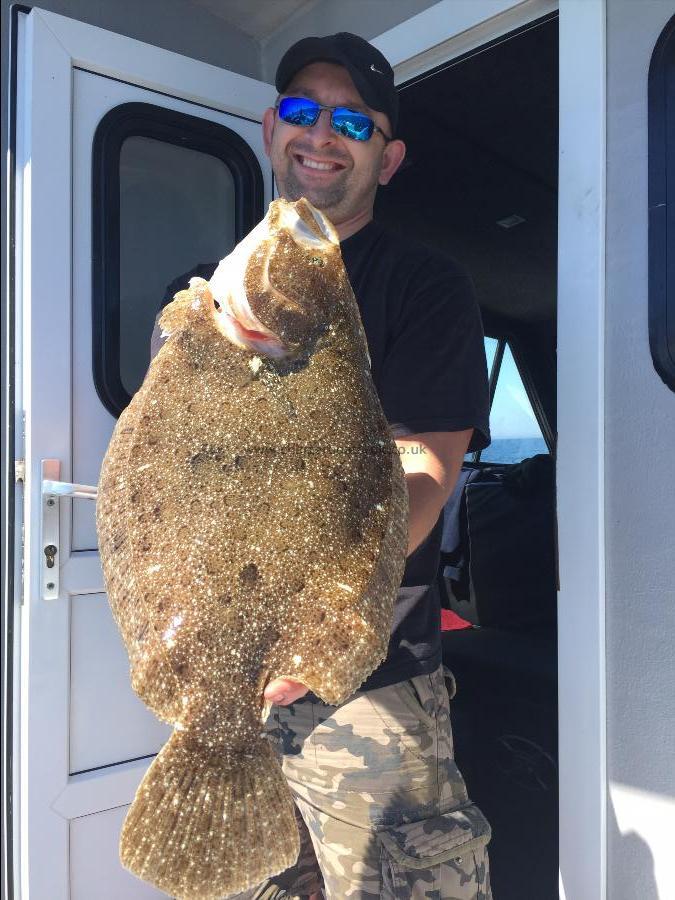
pixel 257 20
pixel 276 24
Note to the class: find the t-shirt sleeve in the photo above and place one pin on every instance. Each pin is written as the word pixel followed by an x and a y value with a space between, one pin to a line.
pixel 434 372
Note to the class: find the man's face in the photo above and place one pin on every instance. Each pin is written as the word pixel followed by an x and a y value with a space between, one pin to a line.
pixel 335 173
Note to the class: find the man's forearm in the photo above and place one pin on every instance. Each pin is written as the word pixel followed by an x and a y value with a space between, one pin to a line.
pixel 431 462
pixel 426 498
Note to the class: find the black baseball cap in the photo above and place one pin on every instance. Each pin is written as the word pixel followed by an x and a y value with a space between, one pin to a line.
pixel 370 71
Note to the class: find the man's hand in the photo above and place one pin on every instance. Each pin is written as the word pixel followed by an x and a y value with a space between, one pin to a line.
pixel 284 691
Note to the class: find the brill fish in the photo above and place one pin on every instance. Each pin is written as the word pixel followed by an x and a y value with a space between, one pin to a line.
pixel 252 518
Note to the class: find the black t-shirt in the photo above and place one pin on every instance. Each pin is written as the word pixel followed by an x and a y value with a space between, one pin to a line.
pixel 425 339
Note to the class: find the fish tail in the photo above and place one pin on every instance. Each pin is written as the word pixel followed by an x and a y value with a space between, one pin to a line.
pixel 208 824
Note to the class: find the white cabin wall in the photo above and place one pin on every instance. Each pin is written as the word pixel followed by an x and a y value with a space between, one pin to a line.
pixel 171 24
pixel 368 18
pixel 640 492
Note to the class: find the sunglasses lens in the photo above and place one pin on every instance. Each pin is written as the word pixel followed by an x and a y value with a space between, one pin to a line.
pixel 347 122
pixel 352 124
pixel 298 111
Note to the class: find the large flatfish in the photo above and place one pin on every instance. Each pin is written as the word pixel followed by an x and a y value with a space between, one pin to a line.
pixel 252 520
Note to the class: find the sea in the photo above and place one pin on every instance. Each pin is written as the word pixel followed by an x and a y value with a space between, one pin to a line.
pixel 512 450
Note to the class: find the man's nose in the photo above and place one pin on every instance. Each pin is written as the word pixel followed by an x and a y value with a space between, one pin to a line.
pixel 321 130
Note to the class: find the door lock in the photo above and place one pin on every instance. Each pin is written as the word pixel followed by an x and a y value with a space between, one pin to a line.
pixel 50 553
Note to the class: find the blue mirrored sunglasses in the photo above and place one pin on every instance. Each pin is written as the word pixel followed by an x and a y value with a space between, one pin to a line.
pixel 346 122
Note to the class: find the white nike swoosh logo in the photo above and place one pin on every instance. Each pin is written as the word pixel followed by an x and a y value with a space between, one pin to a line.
pixel 373 69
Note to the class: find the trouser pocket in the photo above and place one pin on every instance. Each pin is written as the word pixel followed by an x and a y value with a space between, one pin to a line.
pixel 450 683
pixel 444 858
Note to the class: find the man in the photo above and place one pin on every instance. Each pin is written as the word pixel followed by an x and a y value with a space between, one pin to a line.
pixel 374 780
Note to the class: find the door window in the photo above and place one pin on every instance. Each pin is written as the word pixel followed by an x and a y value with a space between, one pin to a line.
pixel 176 210
pixel 662 205
pixel 171 192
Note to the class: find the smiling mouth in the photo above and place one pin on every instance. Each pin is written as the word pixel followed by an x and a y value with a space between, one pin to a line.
pixel 317 166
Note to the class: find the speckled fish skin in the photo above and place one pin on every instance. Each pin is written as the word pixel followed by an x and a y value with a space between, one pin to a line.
pixel 252 521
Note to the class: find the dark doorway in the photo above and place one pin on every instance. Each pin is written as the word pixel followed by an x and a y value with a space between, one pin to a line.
pixel 480 183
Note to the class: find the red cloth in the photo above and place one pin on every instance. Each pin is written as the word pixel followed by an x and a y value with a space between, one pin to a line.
pixel 450 621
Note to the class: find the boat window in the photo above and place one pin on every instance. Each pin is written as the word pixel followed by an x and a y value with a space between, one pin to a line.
pixel 515 432
pixel 491 345
pixel 171 192
pixel 662 205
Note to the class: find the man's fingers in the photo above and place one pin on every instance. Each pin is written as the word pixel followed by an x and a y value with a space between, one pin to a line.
pixel 284 691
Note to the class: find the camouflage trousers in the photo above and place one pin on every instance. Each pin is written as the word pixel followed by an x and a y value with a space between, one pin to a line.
pixel 382 809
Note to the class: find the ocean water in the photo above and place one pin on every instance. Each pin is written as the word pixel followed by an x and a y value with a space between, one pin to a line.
pixel 512 450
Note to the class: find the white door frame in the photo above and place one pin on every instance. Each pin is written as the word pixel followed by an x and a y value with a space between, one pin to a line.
pixel 443 32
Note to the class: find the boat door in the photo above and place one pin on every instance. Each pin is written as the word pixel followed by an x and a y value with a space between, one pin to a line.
pixel 134 165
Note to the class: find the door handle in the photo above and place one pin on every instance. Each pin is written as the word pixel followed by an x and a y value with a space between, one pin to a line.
pixel 52 492
pixel 66 489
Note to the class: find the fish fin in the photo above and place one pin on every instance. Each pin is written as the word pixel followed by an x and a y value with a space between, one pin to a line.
pixel 175 313
pixel 207 824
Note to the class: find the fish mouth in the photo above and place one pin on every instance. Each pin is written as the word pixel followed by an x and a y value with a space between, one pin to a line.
pixel 238 324
pixel 310 230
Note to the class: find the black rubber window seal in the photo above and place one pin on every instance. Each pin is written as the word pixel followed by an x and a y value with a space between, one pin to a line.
pixel 191 132
pixel 661 133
